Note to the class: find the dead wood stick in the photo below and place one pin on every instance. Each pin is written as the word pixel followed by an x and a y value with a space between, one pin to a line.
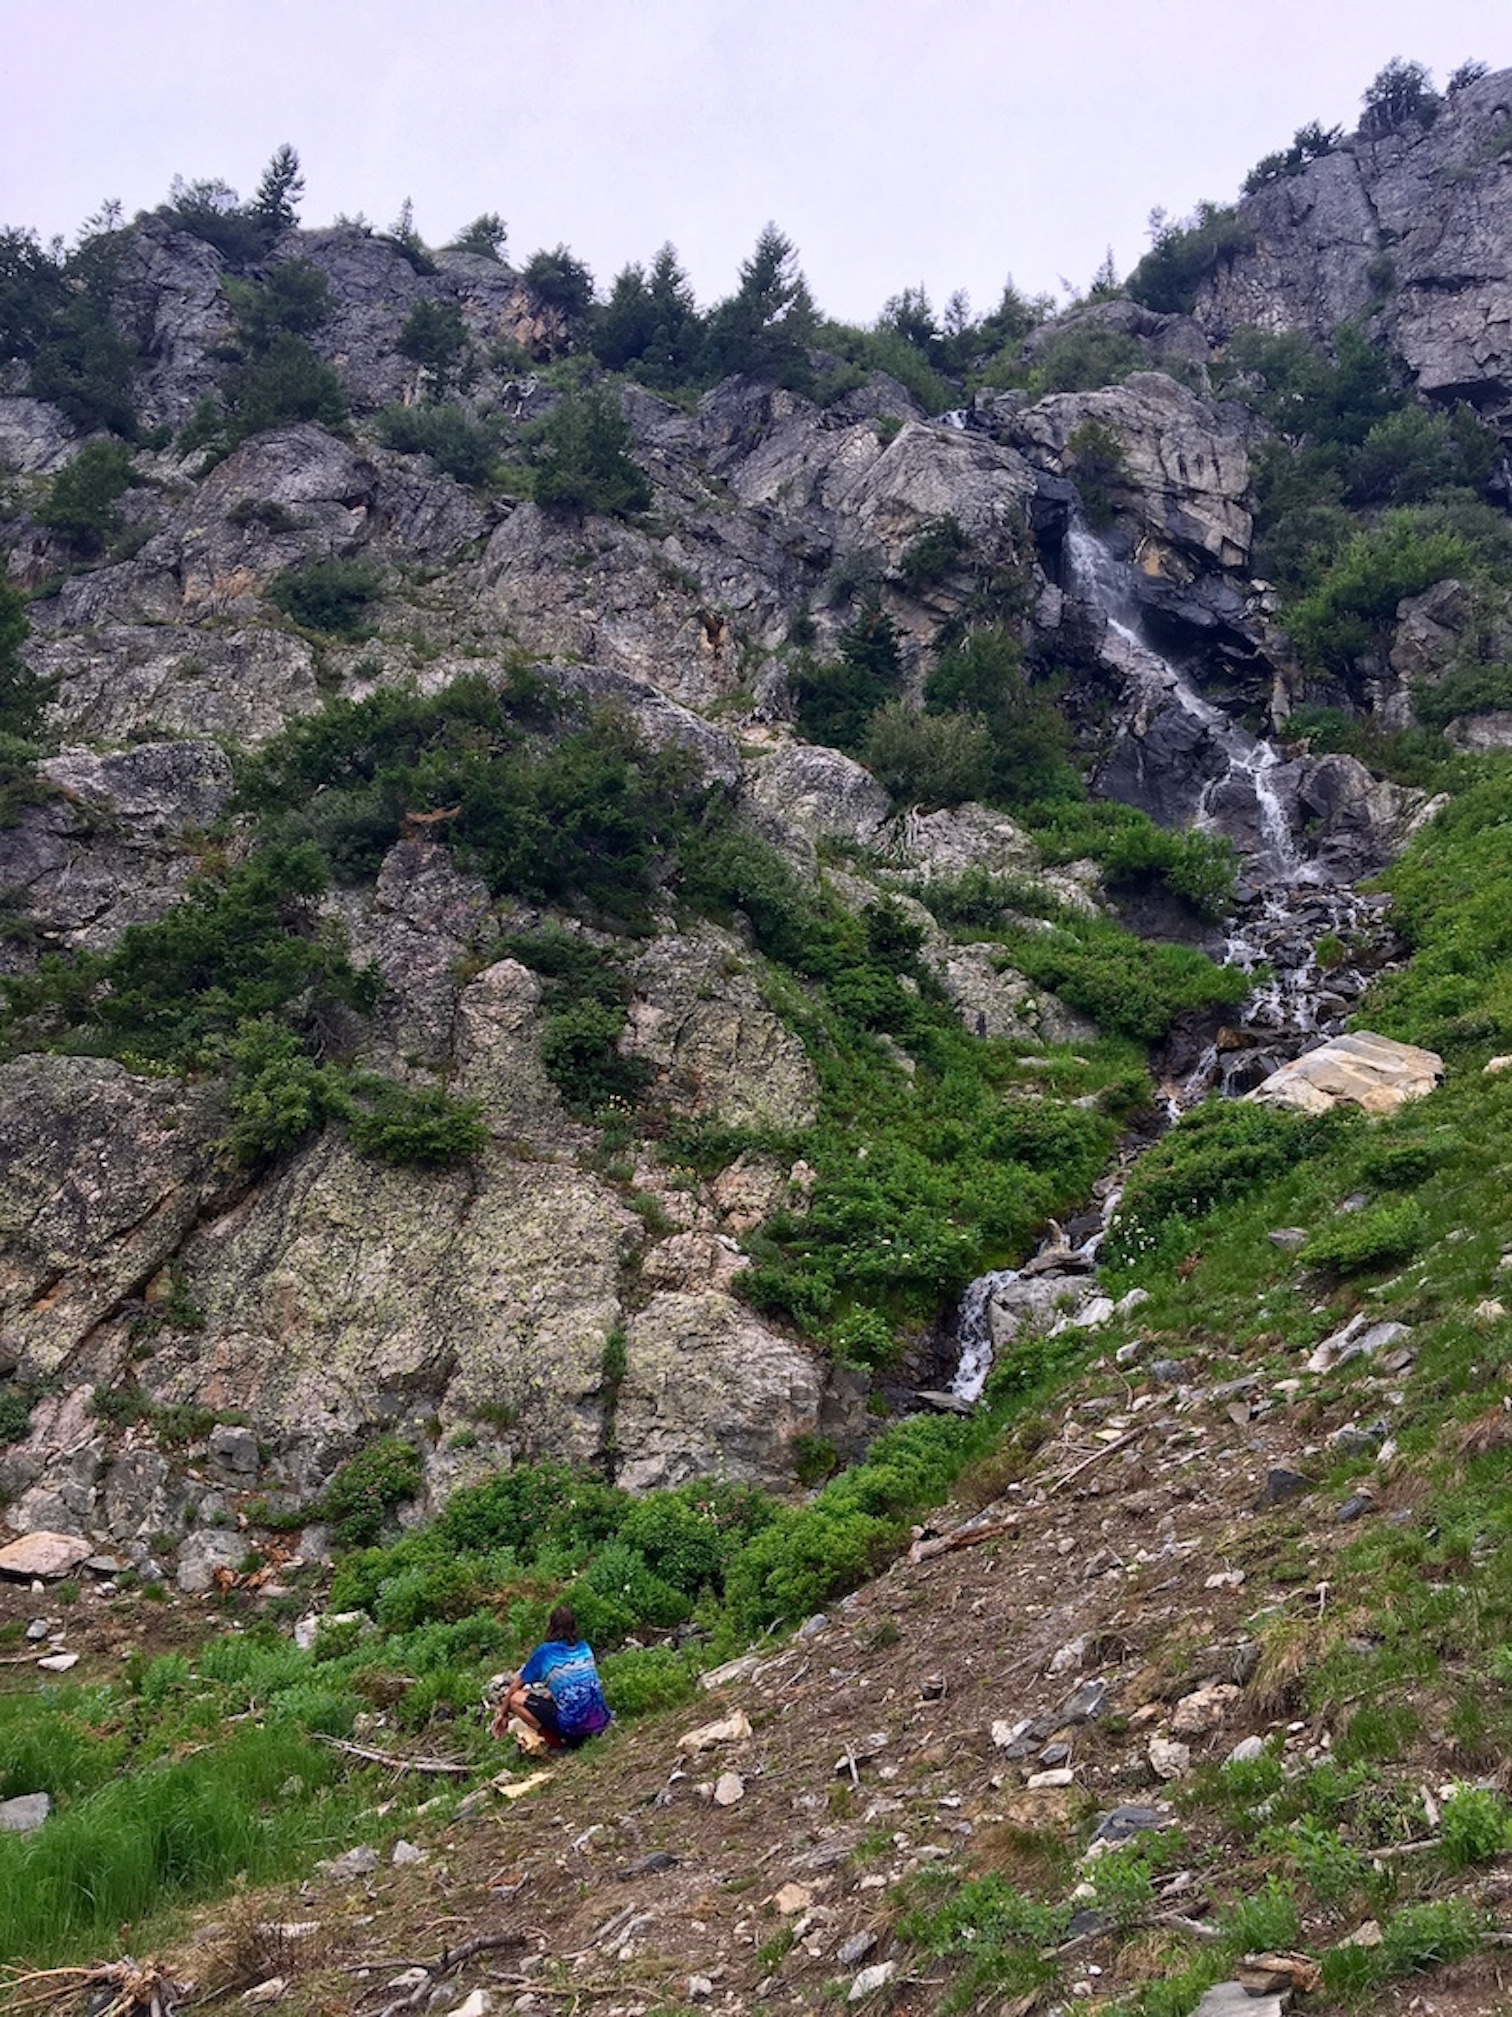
pixel 1405 1849
pixel 963 1537
pixel 374 1757
pixel 451 1958
pixel 1096 1458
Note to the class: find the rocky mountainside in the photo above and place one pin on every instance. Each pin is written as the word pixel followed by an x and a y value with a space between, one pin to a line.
pixel 269 552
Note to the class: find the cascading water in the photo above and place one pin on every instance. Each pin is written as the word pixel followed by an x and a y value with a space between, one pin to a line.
pixel 1302 995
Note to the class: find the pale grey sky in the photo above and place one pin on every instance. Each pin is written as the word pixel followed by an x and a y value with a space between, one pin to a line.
pixel 946 142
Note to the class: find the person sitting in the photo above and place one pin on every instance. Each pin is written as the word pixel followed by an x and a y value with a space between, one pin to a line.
pixel 556 1694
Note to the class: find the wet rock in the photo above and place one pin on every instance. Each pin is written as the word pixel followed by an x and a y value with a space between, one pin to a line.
pixel 1184 469
pixel 1375 1073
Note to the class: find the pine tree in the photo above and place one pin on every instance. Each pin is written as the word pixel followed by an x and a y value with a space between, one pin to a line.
pixel 279 191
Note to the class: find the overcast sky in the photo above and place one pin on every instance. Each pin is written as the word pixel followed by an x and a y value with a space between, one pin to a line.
pixel 896 142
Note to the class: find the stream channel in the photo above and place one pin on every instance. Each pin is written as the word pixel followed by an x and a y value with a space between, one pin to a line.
pixel 1288 909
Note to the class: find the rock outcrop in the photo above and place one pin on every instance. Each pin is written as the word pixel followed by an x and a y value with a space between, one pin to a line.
pixel 1409 234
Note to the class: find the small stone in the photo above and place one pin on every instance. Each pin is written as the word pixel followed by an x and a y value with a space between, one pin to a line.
pixel 1122 1824
pixel 1204 1709
pixel 1049 1782
pixel 1168 1759
pixel 812 1625
pixel 731 1729
pixel 700 1988
pixel 1007 1735
pixel 728 1788
pixel 266 1992
pixel 404 1853
pixel 1070 1656
pixel 1232 1999
pixel 1282 1484
pixel 478 2004
pixel 234 1449
pixel 871 1979
pixel 26 1812
pixel 408 1978
pixel 1085 1704
pixel 359 1862
pixel 1127 1354
pixel 855 1949
pixel 793 1899
pixel 1225 1579
pixel 36 1631
pixel 1055 1754
pixel 932 1689
pixel 1355 1507
pixel 1290 1239
pixel 1167 1372
pixel 1367 1935
pixel 1247 1750
pixel 58 1663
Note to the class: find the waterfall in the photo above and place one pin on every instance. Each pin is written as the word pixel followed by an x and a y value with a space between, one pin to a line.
pixel 1296 1001
pixel 1239 795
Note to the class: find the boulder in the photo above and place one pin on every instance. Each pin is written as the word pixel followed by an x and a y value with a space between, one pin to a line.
pixel 1374 1073
pixel 818 792
pixel 43 1555
pixel 709 1389
pixel 25 1813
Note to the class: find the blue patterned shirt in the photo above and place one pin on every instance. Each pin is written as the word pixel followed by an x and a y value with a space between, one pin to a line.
pixel 571 1678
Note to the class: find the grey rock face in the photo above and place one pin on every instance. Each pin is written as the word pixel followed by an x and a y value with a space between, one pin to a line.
pixel 101 1175
pixel 122 678
pixel 1185 471
pixel 105 850
pixel 1411 233
pixel 35 438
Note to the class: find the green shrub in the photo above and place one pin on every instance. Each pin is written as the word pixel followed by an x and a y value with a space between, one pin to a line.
pixel 486 236
pixel 928 759
pixel 294 299
pixel 457 445
pixel 930 556
pixel 1128 986
pixel 1401 94
pixel 435 336
pixel 1084 358
pixel 644 1679
pixel 369 1487
pixel 1476 1827
pixel 650 325
pixel 835 700
pixel 422 1128
pixel 584 461
pixel 1222 1150
pixel 561 280
pixel 1372 1238
pixel 1351 611
pixel 327 595
pixel 1183 253
pixel 82 497
pixel 21 693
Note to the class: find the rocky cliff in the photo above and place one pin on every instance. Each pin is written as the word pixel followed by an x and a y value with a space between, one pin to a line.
pixel 567 1284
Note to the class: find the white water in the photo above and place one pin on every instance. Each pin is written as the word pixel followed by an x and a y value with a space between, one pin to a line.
pixel 1294 1001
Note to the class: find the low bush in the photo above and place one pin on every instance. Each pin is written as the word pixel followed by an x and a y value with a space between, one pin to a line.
pixel 369 1488
pixel 1183 252
pixel 82 498
pixel 1128 986
pixel 1371 1238
pixel 458 446
pixel 327 595
pixel 583 461
pixel 1221 1151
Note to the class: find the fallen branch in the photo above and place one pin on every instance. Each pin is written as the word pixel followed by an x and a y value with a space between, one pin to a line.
pixel 1405 1849
pixel 374 1757
pixel 963 1537
pixel 138 1988
pixel 1095 1458
pixel 450 1959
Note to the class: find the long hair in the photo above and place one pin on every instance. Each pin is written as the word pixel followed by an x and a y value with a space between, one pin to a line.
pixel 562 1625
